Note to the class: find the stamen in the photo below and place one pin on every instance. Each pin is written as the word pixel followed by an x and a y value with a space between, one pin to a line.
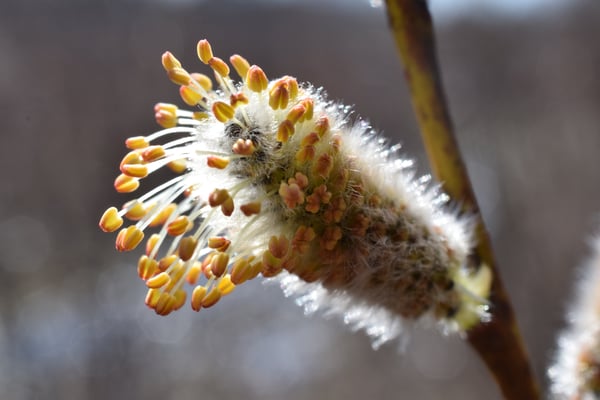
pixel 217 162
pixel 256 80
pixel 189 96
pixel 110 220
pixel 158 281
pixel 128 238
pixel 169 61
pixel 240 64
pixel 223 112
pixel 179 76
pixel 219 66
pixel 203 80
pixel 204 51
pixel 126 184
pixel 136 142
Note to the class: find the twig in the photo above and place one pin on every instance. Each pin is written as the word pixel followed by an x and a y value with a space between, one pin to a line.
pixel 498 342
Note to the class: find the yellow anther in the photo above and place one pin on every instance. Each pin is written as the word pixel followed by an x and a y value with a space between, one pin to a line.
pixel 310 139
pixel 240 271
pixel 292 195
pixel 169 61
pixel 168 107
pixel 165 118
pixel 330 237
pixel 126 184
pixel 218 264
pixel 279 96
pixel 302 238
pixel 110 220
pixel 189 96
pixel 237 99
pixel 285 130
pixel 180 296
pixel 271 265
pixel 217 162
pixel 151 243
pixel 278 246
pixel 204 51
pixel 322 126
pixel 200 115
pixel 218 243
pixel 306 153
pixel 206 265
pixel 175 275
pixel 153 153
pixel 136 142
pixel 178 226
pixel 255 269
pixel 292 85
pixel 240 64
pixel 296 113
pixel 179 76
pixel 323 165
pixel 211 298
pixel 135 170
pixel 256 80
pixel 309 106
pixel 147 267
pixel 178 166
pixel 152 297
pixel 198 295
pixel 133 157
pixel 165 304
pixel 187 246
pixel 128 238
pixel 223 112
pixel 203 80
pixel 225 285
pixel 162 216
pixel 217 197
pixel 193 273
pixel 219 66
pixel 167 261
pixel 243 147
pixel 251 208
pixel 158 281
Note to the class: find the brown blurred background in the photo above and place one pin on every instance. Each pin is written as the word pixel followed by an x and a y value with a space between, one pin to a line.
pixel 78 77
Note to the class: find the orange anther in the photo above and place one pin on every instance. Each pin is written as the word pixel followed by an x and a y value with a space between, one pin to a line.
pixel 218 264
pixel 219 243
pixel 227 207
pixel 153 153
pixel 167 261
pixel 279 96
pixel 162 216
pixel 204 51
pixel 237 99
pixel 204 81
pixel 296 113
pixel 278 246
pixel 198 295
pixel 309 106
pixel 110 220
pixel 240 271
pixel 217 162
pixel 211 298
pixel 285 130
pixel 292 195
pixel 304 235
pixel 240 64
pixel 217 197
pixel 322 126
pixel 178 226
pixel 169 61
pixel 299 179
pixel 128 238
pixel 168 107
pixel 225 285
pixel 180 297
pixel 243 147
pixel 219 66
pixel 292 85
pixel 158 281
pixel 136 142
pixel 135 170
pixel 147 267
pixel 189 95
pixel 251 208
pixel 323 165
pixel 193 273
pixel 310 139
pixel 223 112
pixel 126 184
pixel 187 246
pixel 165 119
pixel 271 265
pixel 306 153
pixel 256 80
pixel 330 237
pixel 165 304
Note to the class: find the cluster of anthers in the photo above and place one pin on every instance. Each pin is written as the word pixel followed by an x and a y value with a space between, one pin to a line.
pixel 275 180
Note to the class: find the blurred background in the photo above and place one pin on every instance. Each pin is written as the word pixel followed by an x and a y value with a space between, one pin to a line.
pixel 78 77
